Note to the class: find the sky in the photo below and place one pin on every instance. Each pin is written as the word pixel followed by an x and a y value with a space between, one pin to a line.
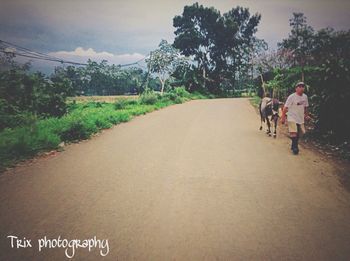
pixel 126 31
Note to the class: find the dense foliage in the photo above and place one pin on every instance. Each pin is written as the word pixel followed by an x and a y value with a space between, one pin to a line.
pixel 26 96
pixel 220 46
pixel 322 60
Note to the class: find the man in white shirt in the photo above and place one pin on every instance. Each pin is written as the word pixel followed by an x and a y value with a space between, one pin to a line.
pixel 296 110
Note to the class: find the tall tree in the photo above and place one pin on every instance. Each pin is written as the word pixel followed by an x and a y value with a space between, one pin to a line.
pixel 195 35
pixel 300 41
pixel 219 44
pixel 164 61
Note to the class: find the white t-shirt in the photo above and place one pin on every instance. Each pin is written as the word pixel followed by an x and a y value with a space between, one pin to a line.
pixel 296 107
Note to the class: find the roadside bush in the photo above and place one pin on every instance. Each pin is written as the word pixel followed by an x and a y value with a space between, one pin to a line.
pixel 177 95
pixel 120 104
pixel 44 139
pixel 120 117
pixel 169 96
pixel 71 106
pixel 81 122
pixel 93 104
pixel 102 123
pixel 23 142
pixel 76 130
pixel 11 116
pixel 198 95
pixel 179 100
pixel 149 98
pixel 132 101
pixel 123 103
pixel 181 92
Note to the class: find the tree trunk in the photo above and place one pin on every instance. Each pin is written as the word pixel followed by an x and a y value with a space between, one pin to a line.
pixel 162 89
pixel 302 74
pixel 148 73
pixel 263 84
pixel 204 77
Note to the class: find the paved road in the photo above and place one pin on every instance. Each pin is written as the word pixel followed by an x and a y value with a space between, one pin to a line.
pixel 195 181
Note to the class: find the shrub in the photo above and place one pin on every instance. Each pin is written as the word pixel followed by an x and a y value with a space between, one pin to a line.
pixel 98 105
pixel 76 130
pixel 177 95
pixel 120 104
pixel 149 98
pixel 45 139
pixel 102 123
pixel 178 100
pixel 181 92
pixel 169 96
pixel 11 116
pixel 92 104
pixel 198 95
pixel 117 118
pixel 132 101
pixel 25 141
pixel 123 103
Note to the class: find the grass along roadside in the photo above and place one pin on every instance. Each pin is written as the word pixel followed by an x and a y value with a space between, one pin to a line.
pixel 110 99
pixel 82 120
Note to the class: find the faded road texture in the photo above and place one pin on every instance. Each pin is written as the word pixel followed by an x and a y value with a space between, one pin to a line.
pixel 195 181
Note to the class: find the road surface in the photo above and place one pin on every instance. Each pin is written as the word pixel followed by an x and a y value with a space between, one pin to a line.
pixel 195 181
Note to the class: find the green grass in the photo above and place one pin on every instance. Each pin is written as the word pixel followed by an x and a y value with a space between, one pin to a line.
pixel 82 120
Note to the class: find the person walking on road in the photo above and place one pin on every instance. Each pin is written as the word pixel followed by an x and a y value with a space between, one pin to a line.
pixel 296 110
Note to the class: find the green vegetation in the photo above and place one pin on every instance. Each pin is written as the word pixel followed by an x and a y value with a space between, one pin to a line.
pixel 213 55
pixel 80 122
pixel 322 60
pixel 26 97
pixel 220 45
pixel 255 101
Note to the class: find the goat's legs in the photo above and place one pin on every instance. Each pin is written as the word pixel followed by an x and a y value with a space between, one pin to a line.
pixel 268 131
pixel 275 120
pixel 261 117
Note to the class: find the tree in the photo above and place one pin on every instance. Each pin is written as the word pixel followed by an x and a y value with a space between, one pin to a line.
pixel 272 62
pixel 300 41
pixel 329 91
pixel 164 61
pixel 242 27
pixel 195 35
pixel 219 44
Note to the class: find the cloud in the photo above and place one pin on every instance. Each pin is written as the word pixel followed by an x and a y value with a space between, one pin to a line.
pixel 82 55
pixel 138 26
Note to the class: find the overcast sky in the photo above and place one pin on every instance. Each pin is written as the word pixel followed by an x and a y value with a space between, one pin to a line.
pixel 125 31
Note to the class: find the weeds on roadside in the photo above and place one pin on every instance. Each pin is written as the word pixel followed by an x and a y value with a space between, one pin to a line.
pixel 81 121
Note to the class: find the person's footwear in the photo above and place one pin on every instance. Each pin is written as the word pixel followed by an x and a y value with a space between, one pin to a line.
pixel 295 151
pixel 294 146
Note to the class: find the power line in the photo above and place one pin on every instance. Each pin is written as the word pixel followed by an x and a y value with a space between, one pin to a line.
pixel 137 62
pixel 45 59
pixel 25 52
pixel 39 54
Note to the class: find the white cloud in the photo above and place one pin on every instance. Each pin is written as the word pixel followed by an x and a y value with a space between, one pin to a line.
pixel 82 55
